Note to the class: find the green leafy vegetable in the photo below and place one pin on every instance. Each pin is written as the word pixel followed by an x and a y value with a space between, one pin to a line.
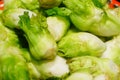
pixel 80 44
pixel 50 3
pixel 80 76
pixel 113 50
pixel 89 67
pixel 61 11
pixel 94 17
pixel 41 43
pixel 13 67
pixel 58 26
pixel 11 16
pixel 56 68
pixel 27 4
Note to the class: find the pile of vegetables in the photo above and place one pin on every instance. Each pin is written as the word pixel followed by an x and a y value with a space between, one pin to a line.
pixel 59 40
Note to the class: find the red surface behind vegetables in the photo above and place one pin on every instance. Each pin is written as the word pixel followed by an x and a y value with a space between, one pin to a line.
pixel 1 4
pixel 114 3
